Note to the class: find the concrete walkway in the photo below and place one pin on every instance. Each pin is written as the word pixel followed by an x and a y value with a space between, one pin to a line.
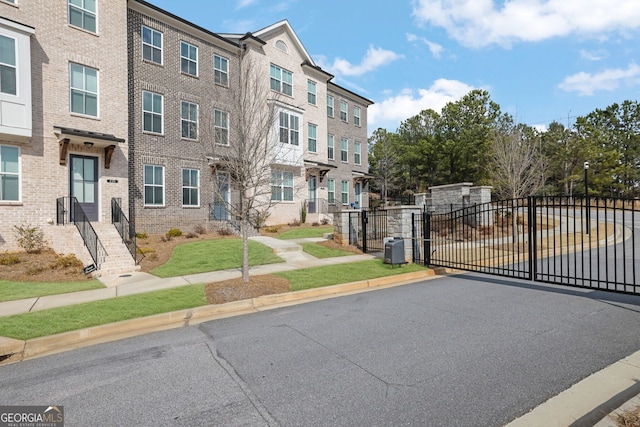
pixel 139 282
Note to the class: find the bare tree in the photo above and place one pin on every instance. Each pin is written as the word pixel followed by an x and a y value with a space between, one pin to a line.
pixel 244 153
pixel 518 167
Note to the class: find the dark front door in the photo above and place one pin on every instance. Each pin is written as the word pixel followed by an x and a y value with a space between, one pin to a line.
pixel 84 184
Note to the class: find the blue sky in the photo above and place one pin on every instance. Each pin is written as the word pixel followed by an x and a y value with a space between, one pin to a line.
pixel 540 60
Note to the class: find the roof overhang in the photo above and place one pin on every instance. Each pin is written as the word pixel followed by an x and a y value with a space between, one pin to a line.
pixel 88 139
pixel 319 168
pixel 361 177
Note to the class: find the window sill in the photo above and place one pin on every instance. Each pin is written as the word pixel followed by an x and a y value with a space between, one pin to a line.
pixel 146 132
pixel 83 30
pixel 10 4
pixel 85 116
pixel 193 76
pixel 150 62
pixel 191 207
pixel 10 203
pixel 154 206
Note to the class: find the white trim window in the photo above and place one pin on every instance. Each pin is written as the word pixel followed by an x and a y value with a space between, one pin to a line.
pixel 281 80
pixel 153 185
pixel 289 128
pixel 331 191
pixel 82 14
pixel 190 187
pixel 331 147
pixel 356 116
pixel 188 59
pixel 151 45
pixel 357 153
pixel 312 139
pixel 221 127
pixel 344 150
pixel 345 192
pixel 220 70
pixel 281 185
pixel 189 120
pixel 9 173
pixel 83 90
pixel 152 116
pixel 8 66
pixel 343 111
pixel 312 90
pixel 330 105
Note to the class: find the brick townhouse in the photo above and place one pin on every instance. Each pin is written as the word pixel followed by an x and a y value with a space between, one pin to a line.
pixel 119 100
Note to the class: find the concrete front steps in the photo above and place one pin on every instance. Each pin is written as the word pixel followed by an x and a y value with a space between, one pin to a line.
pixel 118 259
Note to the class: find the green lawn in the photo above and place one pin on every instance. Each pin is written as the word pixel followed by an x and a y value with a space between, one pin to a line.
pixel 213 255
pixel 317 277
pixel 320 251
pixel 305 232
pixel 10 291
pixel 62 319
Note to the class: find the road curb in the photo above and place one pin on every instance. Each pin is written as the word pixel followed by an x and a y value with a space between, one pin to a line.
pixel 12 350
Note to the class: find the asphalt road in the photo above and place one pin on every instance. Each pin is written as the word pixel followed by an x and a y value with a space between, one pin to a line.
pixel 456 351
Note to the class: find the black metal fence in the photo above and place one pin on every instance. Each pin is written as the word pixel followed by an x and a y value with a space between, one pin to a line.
pixel 367 229
pixel 589 243
pixel 125 229
pixel 70 205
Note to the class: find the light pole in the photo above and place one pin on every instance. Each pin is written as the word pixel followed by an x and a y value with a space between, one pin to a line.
pixel 586 194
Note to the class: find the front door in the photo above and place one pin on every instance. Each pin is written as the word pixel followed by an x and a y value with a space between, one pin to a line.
pixel 221 197
pixel 312 195
pixel 84 184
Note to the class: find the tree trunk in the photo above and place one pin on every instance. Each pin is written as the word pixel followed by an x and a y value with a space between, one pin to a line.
pixel 244 230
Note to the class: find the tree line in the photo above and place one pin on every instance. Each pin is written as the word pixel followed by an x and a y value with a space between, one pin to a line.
pixel 472 140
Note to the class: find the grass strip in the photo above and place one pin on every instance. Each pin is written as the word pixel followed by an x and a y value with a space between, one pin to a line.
pixel 213 255
pixel 316 277
pixel 10 291
pixel 305 232
pixel 69 318
pixel 320 251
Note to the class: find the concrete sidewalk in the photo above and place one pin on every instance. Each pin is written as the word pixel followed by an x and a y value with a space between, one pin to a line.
pixel 138 282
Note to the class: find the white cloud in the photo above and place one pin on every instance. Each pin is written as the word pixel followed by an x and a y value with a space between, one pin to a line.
pixel 478 23
pixel 586 84
pixel 373 59
pixel 390 112
pixel 245 3
pixel 594 55
pixel 435 48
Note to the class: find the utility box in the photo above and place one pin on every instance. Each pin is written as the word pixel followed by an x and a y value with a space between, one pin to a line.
pixel 394 251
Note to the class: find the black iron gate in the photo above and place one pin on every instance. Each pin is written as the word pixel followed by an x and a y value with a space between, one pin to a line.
pixel 589 243
pixel 367 230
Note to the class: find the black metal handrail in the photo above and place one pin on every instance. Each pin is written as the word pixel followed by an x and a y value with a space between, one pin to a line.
pixel 125 229
pixel 89 236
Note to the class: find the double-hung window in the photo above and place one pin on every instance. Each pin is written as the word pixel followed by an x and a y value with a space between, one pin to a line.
pixel 83 90
pixel 356 116
pixel 189 119
pixel 220 70
pixel 311 92
pixel 190 187
pixel 221 127
pixel 8 66
pixel 357 153
pixel 153 185
pixel 345 192
pixel 281 185
pixel 312 139
pixel 281 80
pixel 188 59
pixel 330 101
pixel 151 45
pixel 343 111
pixel 9 173
pixel 331 191
pixel 82 14
pixel 330 147
pixel 289 128
pixel 344 150
pixel 152 105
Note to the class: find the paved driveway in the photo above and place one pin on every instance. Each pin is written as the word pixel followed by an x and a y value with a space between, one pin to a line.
pixel 468 350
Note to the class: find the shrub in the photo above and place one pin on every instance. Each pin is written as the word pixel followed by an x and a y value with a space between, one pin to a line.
pixel 166 238
pixel 141 235
pixel 190 235
pixel 294 223
pixel 174 232
pixel 30 238
pixel 145 250
pixel 225 232
pixel 9 259
pixel 324 221
pixel 199 229
pixel 315 224
pixel 66 261
pixel 303 212
pixel 272 229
